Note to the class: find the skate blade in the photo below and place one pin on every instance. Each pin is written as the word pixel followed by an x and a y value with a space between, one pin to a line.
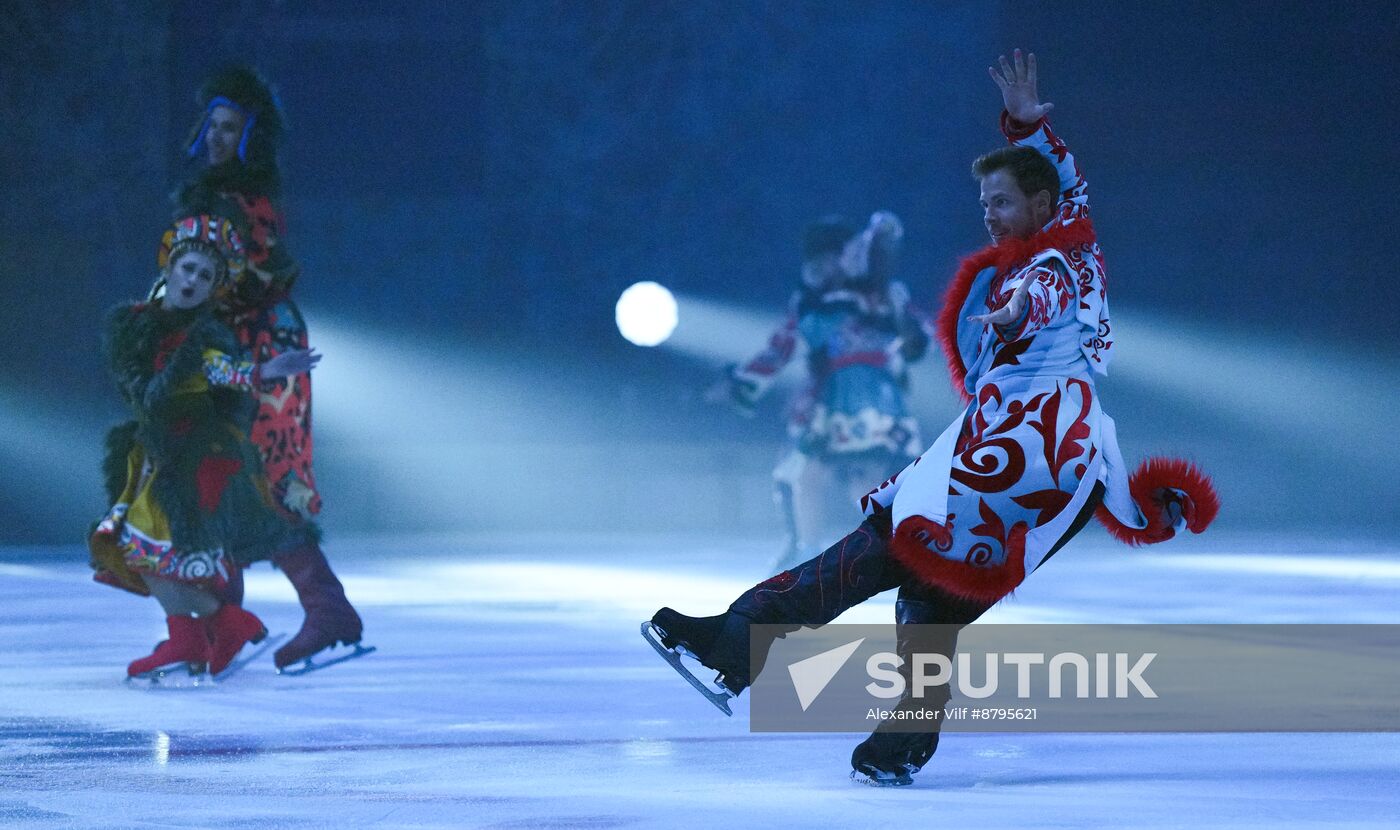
pixel 185 676
pixel 880 778
pixel 310 664
pixel 244 659
pixel 720 699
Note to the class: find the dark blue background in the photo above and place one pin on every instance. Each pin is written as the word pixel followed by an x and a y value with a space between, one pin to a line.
pixel 494 174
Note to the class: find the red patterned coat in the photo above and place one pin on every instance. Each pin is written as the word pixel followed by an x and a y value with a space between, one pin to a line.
pixel 988 501
pixel 261 312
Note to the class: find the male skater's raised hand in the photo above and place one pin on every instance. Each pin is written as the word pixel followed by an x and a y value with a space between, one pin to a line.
pixel 1017 80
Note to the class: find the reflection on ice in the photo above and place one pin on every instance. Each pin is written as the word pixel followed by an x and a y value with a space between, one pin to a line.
pixel 162 749
pixel 512 690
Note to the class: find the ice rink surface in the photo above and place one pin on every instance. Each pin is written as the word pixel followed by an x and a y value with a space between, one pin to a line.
pixel 511 690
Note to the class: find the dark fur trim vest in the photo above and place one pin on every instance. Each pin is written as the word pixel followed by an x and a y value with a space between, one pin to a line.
pixel 209 479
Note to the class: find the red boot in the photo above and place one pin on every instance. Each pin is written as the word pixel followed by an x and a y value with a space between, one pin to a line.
pixel 187 644
pixel 229 630
pixel 329 616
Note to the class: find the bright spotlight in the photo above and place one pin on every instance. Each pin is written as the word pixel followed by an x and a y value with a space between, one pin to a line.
pixel 646 314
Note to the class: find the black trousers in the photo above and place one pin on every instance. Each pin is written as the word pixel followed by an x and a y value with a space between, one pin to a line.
pixel 848 573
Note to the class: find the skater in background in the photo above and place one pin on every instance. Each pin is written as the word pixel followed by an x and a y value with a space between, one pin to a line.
pixel 1025 328
pixel 189 500
pixel 850 424
pixel 234 144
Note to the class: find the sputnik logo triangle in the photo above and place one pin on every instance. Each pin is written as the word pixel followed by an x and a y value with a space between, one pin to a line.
pixel 811 675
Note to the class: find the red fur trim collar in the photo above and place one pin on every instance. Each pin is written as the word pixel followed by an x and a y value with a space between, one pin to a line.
pixel 1149 485
pixel 1003 256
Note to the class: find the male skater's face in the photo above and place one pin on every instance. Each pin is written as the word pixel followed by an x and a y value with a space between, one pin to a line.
pixel 1007 212
pixel 190 281
pixel 225 131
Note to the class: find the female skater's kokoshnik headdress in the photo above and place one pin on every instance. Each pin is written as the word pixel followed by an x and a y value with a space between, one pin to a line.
pixel 212 235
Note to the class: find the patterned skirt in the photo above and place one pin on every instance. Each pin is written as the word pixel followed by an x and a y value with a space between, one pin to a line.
pixel 860 410
pixel 134 538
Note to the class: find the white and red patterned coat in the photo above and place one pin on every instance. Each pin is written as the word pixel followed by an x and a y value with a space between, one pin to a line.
pixel 987 502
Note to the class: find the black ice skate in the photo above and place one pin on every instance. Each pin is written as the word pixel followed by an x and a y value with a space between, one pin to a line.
pixel 673 634
pixel 872 776
pixel 890 759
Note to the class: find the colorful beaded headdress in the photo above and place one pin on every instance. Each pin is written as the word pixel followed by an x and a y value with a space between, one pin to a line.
pixel 211 234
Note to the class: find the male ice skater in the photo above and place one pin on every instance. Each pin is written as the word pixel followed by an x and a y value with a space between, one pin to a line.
pixel 1025 329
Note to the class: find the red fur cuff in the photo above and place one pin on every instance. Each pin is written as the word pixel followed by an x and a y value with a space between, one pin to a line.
pixel 1158 486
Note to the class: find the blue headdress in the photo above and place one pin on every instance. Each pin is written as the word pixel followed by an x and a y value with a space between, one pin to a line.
pixel 242 90
pixel 249 119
